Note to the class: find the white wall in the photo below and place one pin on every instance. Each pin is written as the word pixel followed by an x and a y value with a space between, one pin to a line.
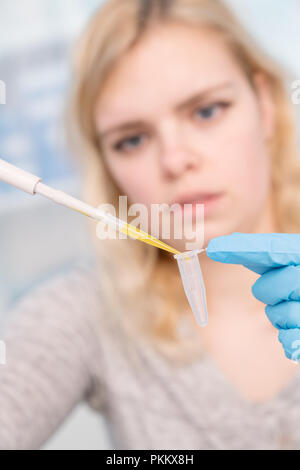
pixel 28 22
pixel 276 23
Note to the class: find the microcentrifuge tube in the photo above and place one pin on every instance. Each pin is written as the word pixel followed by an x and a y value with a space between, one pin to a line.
pixel 191 275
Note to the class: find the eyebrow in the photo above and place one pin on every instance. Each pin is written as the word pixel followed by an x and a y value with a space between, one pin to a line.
pixel 127 126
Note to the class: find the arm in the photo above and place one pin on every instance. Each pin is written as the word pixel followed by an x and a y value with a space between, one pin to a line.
pixel 49 346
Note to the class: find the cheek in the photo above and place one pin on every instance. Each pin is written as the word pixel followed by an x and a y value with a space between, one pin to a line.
pixel 248 169
pixel 135 179
pixel 246 164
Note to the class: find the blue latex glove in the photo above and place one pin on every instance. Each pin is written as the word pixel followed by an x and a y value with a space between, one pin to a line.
pixel 276 256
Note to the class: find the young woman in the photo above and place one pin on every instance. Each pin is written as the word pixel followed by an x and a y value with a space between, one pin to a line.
pixel 172 102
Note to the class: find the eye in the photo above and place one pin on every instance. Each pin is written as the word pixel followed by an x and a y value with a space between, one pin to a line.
pixel 130 143
pixel 206 113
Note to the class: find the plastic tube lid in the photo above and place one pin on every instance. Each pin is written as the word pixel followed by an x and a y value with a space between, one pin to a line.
pixel 192 279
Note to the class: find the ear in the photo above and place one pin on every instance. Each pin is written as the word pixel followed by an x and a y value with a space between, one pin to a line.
pixel 266 102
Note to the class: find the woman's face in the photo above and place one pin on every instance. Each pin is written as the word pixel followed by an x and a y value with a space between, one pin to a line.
pixel 179 122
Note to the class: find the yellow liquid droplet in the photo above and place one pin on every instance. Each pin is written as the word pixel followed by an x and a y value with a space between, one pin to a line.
pixel 138 234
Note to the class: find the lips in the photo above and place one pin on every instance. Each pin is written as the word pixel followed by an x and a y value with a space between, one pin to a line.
pixel 189 198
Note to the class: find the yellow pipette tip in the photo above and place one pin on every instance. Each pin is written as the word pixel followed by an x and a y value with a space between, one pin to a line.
pixel 145 237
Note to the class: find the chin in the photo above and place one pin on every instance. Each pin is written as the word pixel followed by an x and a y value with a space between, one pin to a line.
pixel 212 229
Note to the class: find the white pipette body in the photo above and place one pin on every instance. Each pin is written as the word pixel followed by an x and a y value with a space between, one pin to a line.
pixel 21 179
pixel 32 184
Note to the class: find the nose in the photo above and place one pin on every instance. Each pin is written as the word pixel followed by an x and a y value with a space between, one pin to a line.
pixel 176 155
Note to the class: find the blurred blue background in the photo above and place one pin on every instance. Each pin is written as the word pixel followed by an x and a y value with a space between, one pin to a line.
pixel 38 238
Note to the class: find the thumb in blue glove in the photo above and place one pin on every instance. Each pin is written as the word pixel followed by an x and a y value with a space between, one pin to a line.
pixel 276 257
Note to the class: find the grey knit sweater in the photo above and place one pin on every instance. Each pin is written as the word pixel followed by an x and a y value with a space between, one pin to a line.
pixel 58 356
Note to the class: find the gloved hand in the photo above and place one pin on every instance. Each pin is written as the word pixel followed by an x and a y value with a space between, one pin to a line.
pixel 276 256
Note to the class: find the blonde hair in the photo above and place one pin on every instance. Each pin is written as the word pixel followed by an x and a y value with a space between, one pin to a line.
pixel 141 286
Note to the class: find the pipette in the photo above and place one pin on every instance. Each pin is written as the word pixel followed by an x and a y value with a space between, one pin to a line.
pixel 188 262
pixel 32 184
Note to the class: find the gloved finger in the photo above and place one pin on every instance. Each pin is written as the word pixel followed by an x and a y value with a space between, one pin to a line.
pixel 284 315
pixel 259 252
pixel 277 285
pixel 290 340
